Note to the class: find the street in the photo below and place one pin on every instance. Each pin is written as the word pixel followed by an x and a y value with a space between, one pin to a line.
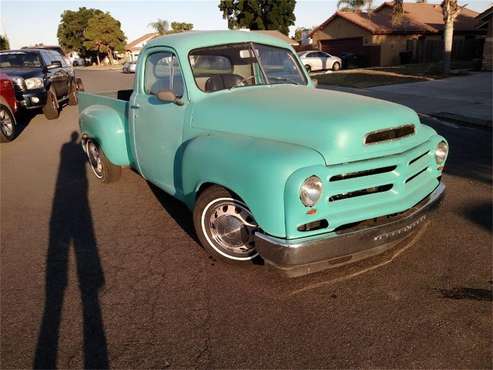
pixel 119 264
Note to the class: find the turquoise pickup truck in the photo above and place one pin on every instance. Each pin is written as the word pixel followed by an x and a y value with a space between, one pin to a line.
pixel 229 123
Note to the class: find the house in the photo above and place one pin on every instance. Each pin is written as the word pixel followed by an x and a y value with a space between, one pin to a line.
pixel 485 23
pixel 417 37
pixel 132 49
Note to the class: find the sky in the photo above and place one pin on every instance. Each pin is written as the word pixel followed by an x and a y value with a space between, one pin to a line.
pixel 30 22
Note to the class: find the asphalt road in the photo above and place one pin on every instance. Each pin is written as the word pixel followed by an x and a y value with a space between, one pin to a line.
pixel 111 275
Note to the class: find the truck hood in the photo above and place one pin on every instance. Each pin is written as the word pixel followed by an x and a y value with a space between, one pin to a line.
pixel 22 72
pixel 331 122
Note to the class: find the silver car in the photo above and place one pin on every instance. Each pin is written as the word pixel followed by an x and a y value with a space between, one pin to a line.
pixel 129 67
pixel 315 60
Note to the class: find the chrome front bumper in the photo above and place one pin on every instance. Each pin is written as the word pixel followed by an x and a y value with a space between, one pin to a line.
pixel 307 255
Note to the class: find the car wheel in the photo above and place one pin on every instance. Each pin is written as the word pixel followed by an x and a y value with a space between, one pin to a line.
pixel 50 109
pixel 72 96
pixel 79 84
pixel 225 226
pixel 336 66
pixel 8 124
pixel 102 168
pixel 308 68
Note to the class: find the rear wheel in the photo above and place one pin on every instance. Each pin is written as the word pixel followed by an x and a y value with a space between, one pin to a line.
pixel 50 109
pixel 225 226
pixel 8 124
pixel 102 168
pixel 336 66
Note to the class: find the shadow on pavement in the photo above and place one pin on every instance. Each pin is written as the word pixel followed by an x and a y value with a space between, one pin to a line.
pixel 71 222
pixel 480 214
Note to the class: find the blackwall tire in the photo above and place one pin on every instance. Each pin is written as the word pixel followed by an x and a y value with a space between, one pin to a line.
pixel 224 226
pixel 103 169
pixel 72 96
pixel 51 107
pixel 336 66
pixel 308 68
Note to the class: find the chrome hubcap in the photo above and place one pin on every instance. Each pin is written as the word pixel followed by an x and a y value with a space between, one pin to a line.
pixel 6 123
pixel 95 159
pixel 232 227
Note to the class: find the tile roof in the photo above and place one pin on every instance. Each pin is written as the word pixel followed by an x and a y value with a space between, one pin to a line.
pixel 148 36
pixel 417 18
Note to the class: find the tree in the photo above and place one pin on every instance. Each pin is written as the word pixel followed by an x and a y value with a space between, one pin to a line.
pixel 352 5
pixel 71 29
pixel 160 26
pixel 104 35
pixel 259 14
pixel 450 11
pixel 4 42
pixel 398 12
pixel 181 26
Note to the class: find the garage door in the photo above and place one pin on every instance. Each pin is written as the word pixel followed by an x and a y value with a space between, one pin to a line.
pixel 350 45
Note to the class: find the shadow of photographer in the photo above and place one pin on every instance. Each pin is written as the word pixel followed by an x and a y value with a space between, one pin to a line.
pixel 71 224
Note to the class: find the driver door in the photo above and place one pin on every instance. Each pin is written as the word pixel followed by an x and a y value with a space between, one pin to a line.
pixel 158 126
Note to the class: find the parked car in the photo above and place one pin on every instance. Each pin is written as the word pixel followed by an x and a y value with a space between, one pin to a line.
pixel 315 60
pixel 129 67
pixel 8 109
pixel 271 166
pixel 42 79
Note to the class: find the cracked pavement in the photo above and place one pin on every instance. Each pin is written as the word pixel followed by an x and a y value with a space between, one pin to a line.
pixel 165 304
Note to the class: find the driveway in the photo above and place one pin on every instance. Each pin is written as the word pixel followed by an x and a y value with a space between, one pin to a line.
pixel 463 97
pixel 97 275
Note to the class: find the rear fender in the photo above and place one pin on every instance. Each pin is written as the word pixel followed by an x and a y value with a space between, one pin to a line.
pixel 105 126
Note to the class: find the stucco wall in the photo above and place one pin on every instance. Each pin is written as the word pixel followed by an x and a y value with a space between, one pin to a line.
pixel 391 47
pixel 488 48
pixel 340 29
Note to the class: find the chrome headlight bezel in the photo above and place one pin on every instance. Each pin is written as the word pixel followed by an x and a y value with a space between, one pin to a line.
pixel 311 191
pixel 33 83
pixel 441 152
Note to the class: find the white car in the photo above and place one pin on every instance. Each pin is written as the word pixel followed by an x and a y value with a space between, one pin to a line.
pixel 315 60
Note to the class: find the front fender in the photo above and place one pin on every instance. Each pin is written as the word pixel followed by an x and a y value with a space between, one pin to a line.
pixel 106 127
pixel 255 169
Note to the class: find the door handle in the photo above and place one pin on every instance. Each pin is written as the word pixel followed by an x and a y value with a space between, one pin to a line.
pixel 135 106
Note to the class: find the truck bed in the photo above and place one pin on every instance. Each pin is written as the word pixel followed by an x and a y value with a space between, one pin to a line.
pixel 116 100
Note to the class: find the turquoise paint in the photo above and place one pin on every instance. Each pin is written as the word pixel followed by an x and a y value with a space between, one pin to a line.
pixel 262 142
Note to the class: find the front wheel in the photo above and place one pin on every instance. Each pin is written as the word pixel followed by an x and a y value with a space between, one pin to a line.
pixel 225 226
pixel 102 168
pixel 8 124
pixel 308 68
pixel 50 109
pixel 336 66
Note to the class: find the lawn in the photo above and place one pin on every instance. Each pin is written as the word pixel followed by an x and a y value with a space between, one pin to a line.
pixel 377 76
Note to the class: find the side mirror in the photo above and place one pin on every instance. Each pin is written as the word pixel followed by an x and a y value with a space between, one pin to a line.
pixel 314 82
pixel 168 96
pixel 55 64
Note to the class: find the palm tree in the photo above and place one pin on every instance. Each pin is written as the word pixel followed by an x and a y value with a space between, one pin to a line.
pixel 352 5
pixel 161 26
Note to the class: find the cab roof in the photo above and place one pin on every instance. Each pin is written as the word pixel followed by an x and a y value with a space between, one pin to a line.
pixel 187 41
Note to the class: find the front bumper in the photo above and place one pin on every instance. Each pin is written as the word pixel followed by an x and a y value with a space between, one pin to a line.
pixel 307 255
pixel 32 99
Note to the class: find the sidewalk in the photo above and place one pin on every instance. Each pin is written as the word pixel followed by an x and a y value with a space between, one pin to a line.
pixel 465 99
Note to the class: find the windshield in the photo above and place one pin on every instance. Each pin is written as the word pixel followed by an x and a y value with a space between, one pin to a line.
pixel 246 64
pixel 20 59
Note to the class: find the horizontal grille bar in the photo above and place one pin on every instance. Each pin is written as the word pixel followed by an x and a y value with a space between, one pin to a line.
pixel 353 175
pixel 358 193
pixel 416 175
pixel 418 158
pixel 389 134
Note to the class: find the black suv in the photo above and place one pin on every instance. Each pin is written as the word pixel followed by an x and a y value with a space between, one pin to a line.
pixel 42 79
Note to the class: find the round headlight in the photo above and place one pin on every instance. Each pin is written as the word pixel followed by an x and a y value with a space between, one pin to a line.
pixel 441 152
pixel 310 191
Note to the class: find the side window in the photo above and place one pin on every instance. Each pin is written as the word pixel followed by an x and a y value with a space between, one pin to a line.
pixel 312 55
pixel 163 72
